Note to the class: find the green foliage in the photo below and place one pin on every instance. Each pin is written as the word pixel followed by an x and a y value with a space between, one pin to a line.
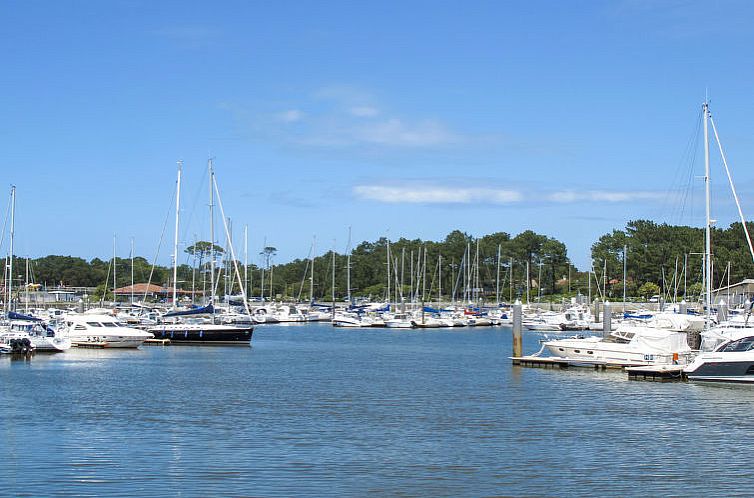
pixel 654 250
pixel 649 289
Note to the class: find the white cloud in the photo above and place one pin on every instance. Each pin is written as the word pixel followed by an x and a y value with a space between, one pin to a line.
pixel 290 116
pixel 603 196
pixel 418 194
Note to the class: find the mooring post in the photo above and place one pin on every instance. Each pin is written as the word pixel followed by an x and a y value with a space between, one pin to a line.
pixel 606 319
pixel 518 345
pixel 596 310
pixel 682 307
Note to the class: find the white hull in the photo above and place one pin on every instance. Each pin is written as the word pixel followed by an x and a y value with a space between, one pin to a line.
pixel 107 342
pixel 51 344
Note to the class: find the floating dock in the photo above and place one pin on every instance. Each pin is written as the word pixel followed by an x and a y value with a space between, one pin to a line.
pixel 552 362
pixel 657 373
pixel 654 373
pixel 157 342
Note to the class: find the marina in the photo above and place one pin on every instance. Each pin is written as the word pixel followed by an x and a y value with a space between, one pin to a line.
pixel 377 249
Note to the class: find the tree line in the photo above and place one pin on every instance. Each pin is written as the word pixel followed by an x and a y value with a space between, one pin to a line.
pixel 657 258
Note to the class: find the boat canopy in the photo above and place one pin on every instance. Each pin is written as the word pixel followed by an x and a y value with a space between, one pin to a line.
pixel 205 310
pixel 12 315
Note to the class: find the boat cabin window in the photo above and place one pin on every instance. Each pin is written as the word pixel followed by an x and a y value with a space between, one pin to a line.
pixel 93 324
pixel 109 324
pixel 745 344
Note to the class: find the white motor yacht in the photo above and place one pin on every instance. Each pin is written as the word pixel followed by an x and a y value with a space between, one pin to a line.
pixel 661 341
pixel 105 331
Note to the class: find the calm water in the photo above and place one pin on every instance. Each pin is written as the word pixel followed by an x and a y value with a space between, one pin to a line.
pixel 316 411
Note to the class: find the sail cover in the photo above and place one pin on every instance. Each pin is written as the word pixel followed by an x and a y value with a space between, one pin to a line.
pixel 206 310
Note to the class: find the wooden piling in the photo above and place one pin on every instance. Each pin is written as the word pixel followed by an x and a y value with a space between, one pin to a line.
pixel 518 345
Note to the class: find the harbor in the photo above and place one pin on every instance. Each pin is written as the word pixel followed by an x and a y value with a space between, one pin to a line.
pixel 376 249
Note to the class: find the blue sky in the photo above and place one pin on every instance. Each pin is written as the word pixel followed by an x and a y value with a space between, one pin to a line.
pixel 399 119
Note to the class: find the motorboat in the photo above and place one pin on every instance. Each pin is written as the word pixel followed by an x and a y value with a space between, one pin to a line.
pixel 43 337
pixel 661 341
pixel 399 321
pixel 732 361
pixel 353 320
pixel 104 331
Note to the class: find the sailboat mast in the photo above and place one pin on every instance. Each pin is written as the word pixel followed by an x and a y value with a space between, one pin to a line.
pixel 333 274
pixel 246 261
pixel 497 277
pixel 211 235
pixel 348 268
pixel 510 265
pixel 26 289
pixel 311 280
pixel 625 251
pixel 708 222
pixel 175 236
pixel 132 270
pixel 388 271
pixel 12 235
pixel 439 279
pixel 115 299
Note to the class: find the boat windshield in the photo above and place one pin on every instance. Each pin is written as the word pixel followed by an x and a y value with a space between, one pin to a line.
pixel 94 324
pixel 745 344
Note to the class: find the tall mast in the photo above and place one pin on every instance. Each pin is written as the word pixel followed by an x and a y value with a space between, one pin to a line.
pixel 477 286
pixel 510 265
pixel 26 288
pixel 12 235
pixel 175 236
pixel 708 222
pixel 132 270
pixel 246 261
pixel 403 267
pixel 424 275
pixel 266 263
pixel 115 299
pixel 311 280
pixel 333 274
pixel 211 235
pixel 439 279
pixel 497 279
pixel 388 271
pixel 348 268
pixel 625 250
